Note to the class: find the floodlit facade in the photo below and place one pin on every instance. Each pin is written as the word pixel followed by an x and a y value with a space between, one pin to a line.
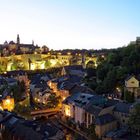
pixel 8 103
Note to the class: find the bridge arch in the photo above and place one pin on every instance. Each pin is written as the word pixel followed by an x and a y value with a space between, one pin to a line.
pixel 91 61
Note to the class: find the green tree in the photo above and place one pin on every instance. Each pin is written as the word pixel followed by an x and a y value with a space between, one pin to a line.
pixel 103 69
pixel 100 59
pixel 128 96
pixel 113 58
pixel 53 101
pixel 91 132
pixel 47 64
pixel 110 81
pixel 18 91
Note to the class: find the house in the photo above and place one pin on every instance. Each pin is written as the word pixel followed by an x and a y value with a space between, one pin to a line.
pixel 54 83
pixel 57 83
pixel 77 70
pixel 116 134
pixel 8 103
pixel 3 82
pixel 85 109
pixel 51 132
pixel 39 80
pixel 122 112
pixel 104 124
pixel 98 106
pixel 40 91
pixel 41 96
pixel 122 133
pixel 73 107
pixel 64 89
pixel 132 85
pixel 13 127
pixel 11 81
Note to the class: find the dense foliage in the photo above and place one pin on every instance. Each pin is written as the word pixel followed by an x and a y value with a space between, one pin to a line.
pixel 115 67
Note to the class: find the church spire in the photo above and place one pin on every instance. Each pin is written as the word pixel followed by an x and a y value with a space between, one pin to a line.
pixel 18 39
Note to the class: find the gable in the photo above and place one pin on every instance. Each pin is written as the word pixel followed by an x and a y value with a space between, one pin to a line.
pixel 132 82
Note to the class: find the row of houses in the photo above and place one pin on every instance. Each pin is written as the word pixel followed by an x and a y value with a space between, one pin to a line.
pixel 13 127
pixel 7 84
pixel 81 105
pixel 86 109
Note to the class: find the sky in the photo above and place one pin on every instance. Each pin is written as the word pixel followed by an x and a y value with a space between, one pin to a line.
pixel 70 24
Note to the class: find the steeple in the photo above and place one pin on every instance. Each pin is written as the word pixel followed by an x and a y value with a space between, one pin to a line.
pixel 63 72
pixel 83 61
pixel 18 39
pixel 33 42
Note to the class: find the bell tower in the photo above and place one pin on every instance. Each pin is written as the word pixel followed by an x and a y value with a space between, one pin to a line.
pixel 18 39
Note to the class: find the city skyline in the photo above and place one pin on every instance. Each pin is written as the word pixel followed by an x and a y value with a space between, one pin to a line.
pixel 70 24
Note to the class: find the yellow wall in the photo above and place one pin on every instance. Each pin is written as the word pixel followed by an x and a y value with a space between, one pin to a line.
pixel 132 82
pixel 102 129
pixel 8 103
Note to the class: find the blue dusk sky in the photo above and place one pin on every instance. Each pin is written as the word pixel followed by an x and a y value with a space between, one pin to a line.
pixel 70 24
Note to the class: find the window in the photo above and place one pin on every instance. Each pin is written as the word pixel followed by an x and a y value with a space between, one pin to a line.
pixel 123 121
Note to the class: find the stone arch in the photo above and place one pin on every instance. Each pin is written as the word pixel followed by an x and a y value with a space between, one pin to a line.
pixel 91 61
pixel 90 64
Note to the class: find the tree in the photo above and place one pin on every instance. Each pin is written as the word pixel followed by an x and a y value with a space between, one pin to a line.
pixel 100 59
pixel 110 81
pixel 53 101
pixel 47 64
pixel 91 132
pixel 113 59
pixel 128 96
pixel 134 121
pixel 18 91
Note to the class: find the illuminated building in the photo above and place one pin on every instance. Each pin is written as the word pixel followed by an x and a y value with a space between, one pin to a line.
pixel 8 103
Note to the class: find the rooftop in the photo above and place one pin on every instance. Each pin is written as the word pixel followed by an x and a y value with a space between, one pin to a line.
pixel 104 119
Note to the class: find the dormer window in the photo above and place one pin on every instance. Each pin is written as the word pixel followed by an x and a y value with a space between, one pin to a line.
pixel 83 96
pixel 89 98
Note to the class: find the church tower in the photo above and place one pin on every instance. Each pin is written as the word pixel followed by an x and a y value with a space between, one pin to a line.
pixel 83 60
pixel 18 39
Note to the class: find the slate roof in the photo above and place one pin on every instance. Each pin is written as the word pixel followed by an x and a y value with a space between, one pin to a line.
pixel 111 102
pixel 16 72
pixel 78 99
pixel 25 129
pixel 117 133
pixel 26 132
pixel 2 81
pixel 66 85
pixel 104 119
pixel 11 80
pixel 95 105
pixel 68 79
pixel 82 89
pixel 95 110
pixel 122 107
pixel 49 130
pixel 74 67
pixel 37 77
pixel 75 79
pixel 129 77
pixel 12 42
